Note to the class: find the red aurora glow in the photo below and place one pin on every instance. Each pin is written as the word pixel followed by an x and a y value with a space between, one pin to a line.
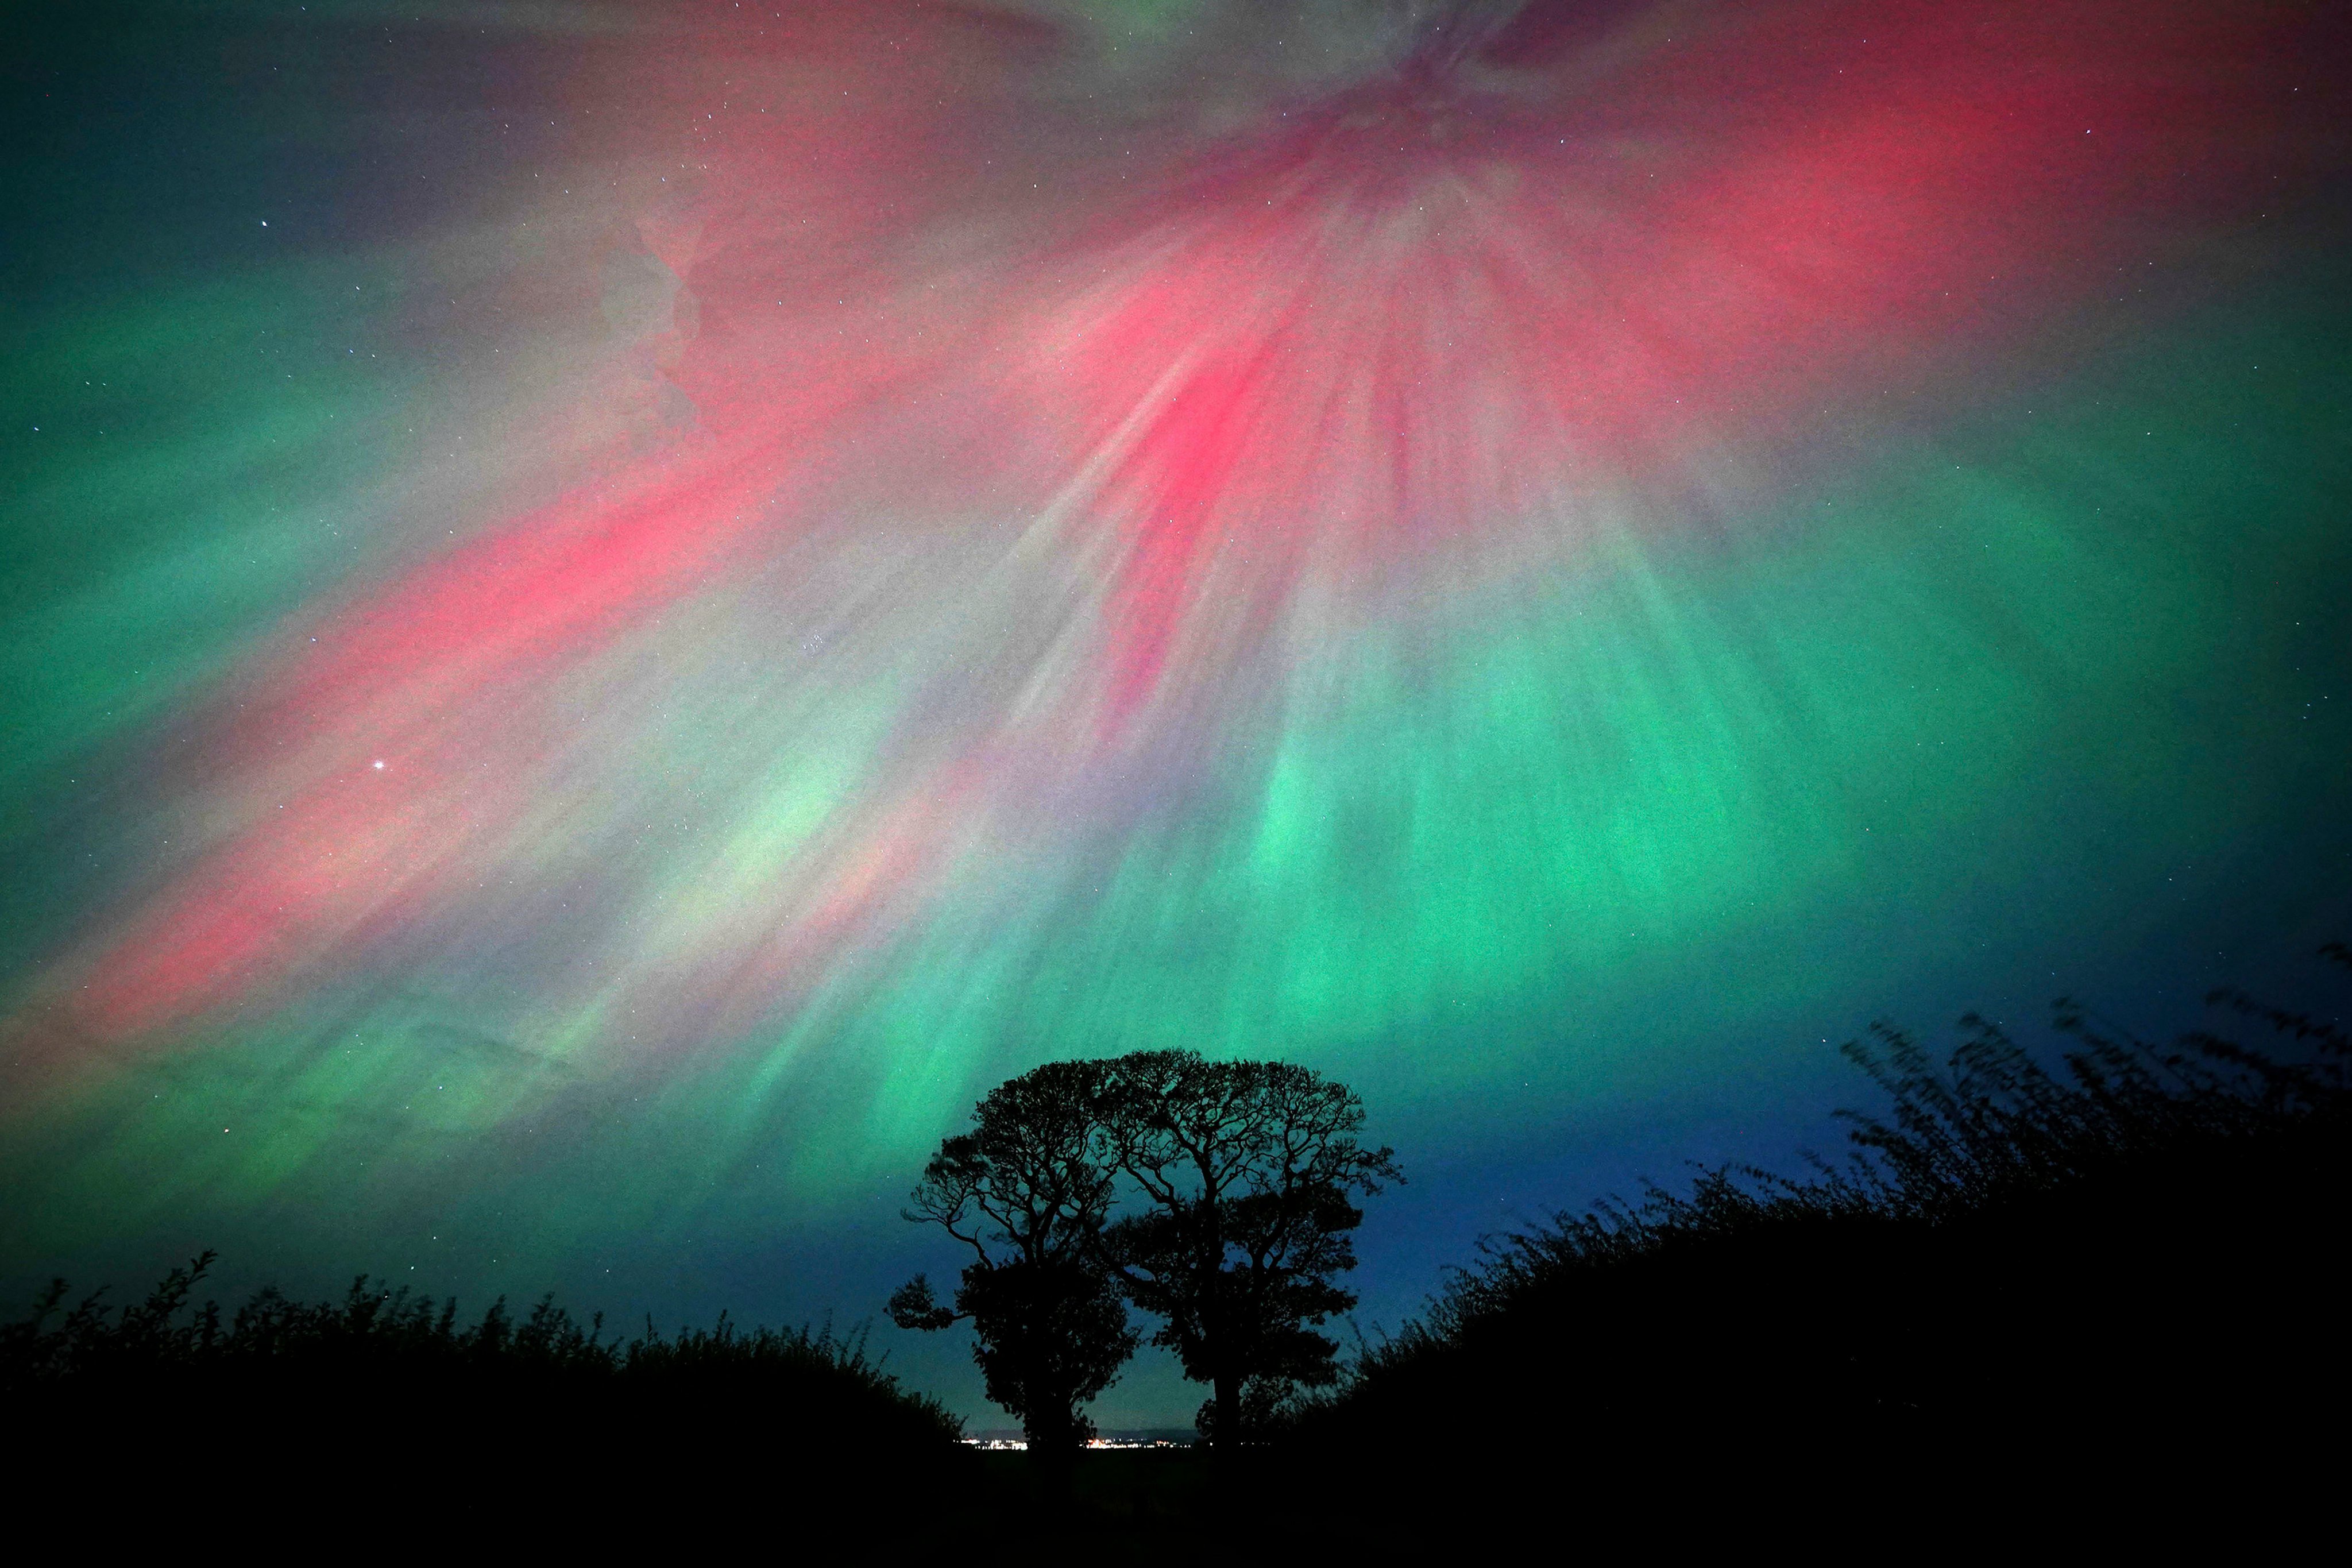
pixel 1426 317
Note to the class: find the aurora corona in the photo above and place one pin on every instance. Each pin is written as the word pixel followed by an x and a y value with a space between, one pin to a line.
pixel 816 557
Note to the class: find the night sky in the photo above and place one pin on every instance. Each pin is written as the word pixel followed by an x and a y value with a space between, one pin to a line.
pixel 609 610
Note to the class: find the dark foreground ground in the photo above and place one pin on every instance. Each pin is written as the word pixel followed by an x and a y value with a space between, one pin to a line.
pixel 410 1482
pixel 2100 1302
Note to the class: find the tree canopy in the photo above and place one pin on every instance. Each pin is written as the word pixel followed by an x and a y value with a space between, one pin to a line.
pixel 1218 1196
pixel 1248 1171
pixel 1028 1190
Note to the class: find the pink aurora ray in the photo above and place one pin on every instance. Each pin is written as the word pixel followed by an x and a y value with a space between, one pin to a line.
pixel 1136 412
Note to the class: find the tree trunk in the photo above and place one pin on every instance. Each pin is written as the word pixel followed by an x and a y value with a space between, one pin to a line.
pixel 1229 1412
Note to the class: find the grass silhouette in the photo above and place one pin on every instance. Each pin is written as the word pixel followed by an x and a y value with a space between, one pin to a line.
pixel 277 1348
pixel 386 1406
pixel 2127 1258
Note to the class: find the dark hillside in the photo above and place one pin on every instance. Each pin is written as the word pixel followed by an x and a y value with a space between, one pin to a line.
pixel 2131 1258
pixel 385 1406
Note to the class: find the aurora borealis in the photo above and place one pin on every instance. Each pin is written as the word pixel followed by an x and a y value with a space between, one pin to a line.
pixel 612 611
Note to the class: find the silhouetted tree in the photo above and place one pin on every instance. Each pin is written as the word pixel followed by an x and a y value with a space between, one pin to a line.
pixel 1029 1190
pixel 1249 1169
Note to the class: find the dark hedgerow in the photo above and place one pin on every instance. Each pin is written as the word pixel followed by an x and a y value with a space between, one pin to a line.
pixel 389 1395
pixel 376 1334
pixel 2135 1247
